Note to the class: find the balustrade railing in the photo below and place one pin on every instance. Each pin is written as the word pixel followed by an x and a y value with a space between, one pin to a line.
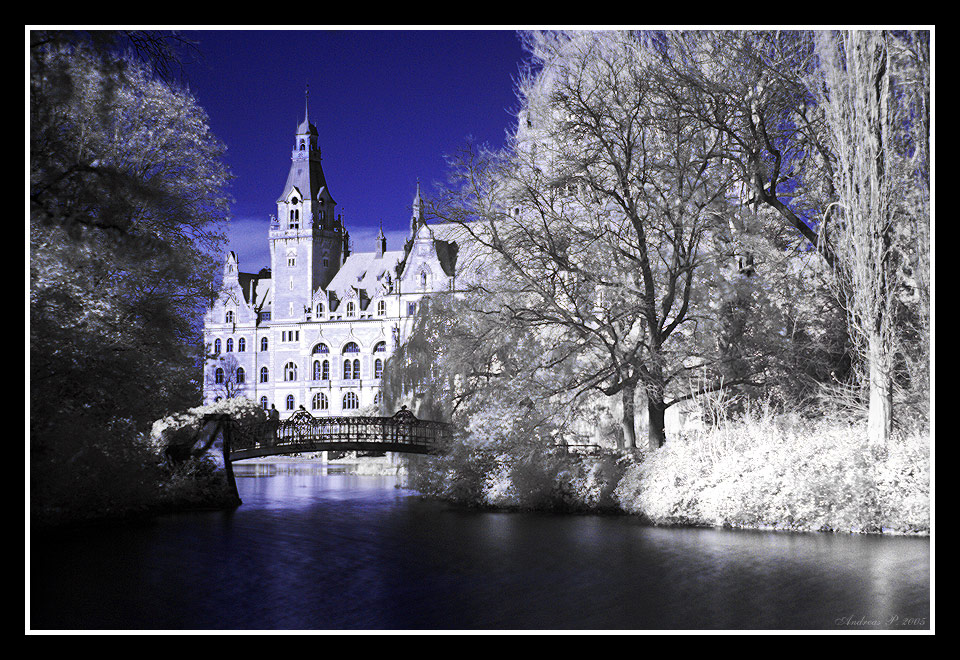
pixel 302 432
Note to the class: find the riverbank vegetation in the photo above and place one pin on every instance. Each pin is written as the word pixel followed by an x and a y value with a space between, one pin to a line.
pixel 127 207
pixel 721 239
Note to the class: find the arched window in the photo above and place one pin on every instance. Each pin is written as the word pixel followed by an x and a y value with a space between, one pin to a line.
pixel 325 370
pixel 350 401
pixel 216 346
pixel 423 278
pixel 241 345
pixel 320 401
pixel 302 145
pixel 263 402
pixel 290 402
pixel 356 368
pixel 218 375
pixel 351 347
pixel 347 370
pixel 378 368
pixel 290 371
pixel 241 375
pixel 350 309
pixel 381 347
pixel 264 344
pixel 264 375
pixel 321 348
pixel 230 345
pixel 381 308
pixel 219 398
pixel 316 369
pixel 319 309
pixel 229 317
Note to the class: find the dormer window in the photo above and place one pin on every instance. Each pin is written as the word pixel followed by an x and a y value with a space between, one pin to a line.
pixel 350 309
pixel 228 318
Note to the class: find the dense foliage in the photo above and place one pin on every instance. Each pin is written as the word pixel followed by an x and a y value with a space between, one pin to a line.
pixel 127 203
pixel 675 219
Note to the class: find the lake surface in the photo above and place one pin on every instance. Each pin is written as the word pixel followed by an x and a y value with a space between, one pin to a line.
pixel 309 550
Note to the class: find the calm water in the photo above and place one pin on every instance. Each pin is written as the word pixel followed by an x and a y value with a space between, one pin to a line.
pixel 314 551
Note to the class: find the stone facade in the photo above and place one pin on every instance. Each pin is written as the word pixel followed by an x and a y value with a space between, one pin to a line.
pixel 316 328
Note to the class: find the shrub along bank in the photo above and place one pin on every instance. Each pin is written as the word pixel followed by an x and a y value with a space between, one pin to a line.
pixel 771 473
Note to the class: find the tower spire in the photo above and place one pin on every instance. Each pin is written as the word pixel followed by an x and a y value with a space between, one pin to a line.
pixel 417 220
pixel 381 241
pixel 306 104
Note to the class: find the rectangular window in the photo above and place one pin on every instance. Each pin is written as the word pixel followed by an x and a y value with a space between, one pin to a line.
pixel 411 308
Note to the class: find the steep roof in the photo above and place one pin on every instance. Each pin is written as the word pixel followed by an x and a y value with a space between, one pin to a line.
pixel 307 176
pixel 363 272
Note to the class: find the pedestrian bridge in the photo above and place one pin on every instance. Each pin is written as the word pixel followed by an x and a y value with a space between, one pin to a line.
pixel 224 440
pixel 302 432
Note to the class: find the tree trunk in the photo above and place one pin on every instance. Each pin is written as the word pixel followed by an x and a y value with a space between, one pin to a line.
pixel 880 418
pixel 628 419
pixel 656 410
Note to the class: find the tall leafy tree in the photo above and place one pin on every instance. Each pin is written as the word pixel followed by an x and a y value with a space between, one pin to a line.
pixel 127 204
pixel 870 85
pixel 805 113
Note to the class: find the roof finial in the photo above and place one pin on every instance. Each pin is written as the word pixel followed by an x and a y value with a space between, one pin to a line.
pixel 306 104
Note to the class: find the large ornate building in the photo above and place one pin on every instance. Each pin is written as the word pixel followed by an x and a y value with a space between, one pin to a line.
pixel 315 329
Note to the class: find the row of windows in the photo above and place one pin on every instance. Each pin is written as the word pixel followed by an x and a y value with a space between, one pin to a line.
pixel 321 370
pixel 321 309
pixel 241 345
pixel 349 347
pixel 320 401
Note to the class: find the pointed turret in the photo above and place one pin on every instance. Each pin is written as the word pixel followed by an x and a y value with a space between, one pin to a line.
pixel 306 175
pixel 417 220
pixel 381 242
pixel 305 243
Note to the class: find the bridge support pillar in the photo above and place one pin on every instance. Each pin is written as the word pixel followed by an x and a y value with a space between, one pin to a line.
pixel 219 434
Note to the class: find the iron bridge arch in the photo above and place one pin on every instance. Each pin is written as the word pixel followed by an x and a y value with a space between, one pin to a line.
pixel 302 432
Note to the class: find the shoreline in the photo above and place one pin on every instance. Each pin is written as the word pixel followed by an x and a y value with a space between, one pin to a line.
pixel 145 514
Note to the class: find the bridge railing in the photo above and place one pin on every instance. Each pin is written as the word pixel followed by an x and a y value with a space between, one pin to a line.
pixel 304 432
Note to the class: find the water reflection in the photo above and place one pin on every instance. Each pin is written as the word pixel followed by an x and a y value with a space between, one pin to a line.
pixel 313 550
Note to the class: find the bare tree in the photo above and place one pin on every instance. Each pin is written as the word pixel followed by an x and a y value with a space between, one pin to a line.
pixel 597 219
pixel 226 376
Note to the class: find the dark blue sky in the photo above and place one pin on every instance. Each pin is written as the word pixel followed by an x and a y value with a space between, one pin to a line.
pixel 388 106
